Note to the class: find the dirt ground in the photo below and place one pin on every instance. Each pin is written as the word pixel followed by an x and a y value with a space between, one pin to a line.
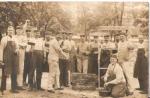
pixel 66 93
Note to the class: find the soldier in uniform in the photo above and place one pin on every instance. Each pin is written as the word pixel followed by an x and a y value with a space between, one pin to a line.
pixel 9 51
pixel 83 50
pixel 55 52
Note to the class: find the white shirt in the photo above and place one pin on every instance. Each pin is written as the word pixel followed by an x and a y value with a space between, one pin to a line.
pixel 39 44
pixel 117 71
pixel 54 50
pixel 22 40
pixel 122 51
pixel 66 47
pixel 108 45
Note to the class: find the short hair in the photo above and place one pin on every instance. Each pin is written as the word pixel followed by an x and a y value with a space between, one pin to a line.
pixel 114 56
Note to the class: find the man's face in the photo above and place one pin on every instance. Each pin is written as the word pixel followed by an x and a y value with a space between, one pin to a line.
pixel 19 31
pixel 113 60
pixel 10 31
pixel 122 38
pixel 28 22
pixel 141 40
pixel 106 39
pixel 82 38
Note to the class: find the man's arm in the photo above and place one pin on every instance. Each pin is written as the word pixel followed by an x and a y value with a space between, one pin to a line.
pixel 58 49
pixel 119 76
pixel 2 47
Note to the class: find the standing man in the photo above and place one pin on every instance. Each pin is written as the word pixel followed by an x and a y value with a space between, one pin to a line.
pixel 141 65
pixel 38 59
pixel 55 52
pixel 122 48
pixel 66 47
pixel 72 53
pixel 104 53
pixel 94 56
pixel 126 58
pixel 22 45
pixel 82 55
pixel 28 56
pixel 9 51
pixel 62 62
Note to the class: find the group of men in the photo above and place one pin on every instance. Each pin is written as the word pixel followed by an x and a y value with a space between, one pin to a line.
pixel 24 55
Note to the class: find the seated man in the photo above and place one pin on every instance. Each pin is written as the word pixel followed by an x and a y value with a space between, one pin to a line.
pixel 114 78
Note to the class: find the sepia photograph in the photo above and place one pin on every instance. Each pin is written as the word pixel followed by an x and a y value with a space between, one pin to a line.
pixel 74 49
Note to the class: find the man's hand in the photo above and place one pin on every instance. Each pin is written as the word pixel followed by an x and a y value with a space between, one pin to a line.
pixel 1 63
pixel 106 84
pixel 105 79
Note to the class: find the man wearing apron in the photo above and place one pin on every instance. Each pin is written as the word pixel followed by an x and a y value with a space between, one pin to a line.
pixel 141 65
pixel 126 58
pixel 9 56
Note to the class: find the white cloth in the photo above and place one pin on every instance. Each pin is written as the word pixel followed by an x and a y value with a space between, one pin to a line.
pixel 66 47
pixel 122 51
pixel 21 53
pixel 128 68
pixel 39 44
pixel 117 71
pixel 21 67
pixel 108 45
pixel 54 74
pixel 54 50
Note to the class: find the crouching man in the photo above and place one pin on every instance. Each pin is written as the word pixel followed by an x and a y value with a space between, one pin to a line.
pixel 114 79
